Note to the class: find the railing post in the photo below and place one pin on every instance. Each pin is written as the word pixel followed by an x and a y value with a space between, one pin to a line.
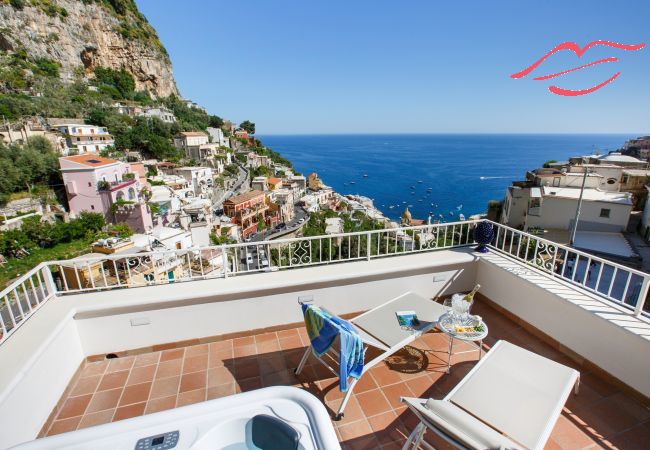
pixel 643 294
pixel 368 246
pixel 224 258
pixel 49 280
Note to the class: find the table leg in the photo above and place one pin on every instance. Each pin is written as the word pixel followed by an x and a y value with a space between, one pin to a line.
pixel 451 348
pixel 480 349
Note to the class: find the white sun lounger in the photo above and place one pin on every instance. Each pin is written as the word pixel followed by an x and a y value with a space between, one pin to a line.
pixel 510 399
pixel 379 328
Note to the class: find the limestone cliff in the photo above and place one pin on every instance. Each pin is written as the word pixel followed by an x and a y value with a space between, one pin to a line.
pixel 83 34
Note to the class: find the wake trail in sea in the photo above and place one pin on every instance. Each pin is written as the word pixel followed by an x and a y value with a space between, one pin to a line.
pixel 494 178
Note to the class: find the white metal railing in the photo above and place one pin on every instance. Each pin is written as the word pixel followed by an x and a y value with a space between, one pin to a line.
pixel 24 297
pixel 615 282
pixel 607 279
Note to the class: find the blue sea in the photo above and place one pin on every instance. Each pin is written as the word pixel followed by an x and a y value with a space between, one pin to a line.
pixel 463 172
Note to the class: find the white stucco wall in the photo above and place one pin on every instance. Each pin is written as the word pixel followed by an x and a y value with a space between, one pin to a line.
pixel 558 213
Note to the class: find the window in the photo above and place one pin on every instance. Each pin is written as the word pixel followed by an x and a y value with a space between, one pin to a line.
pixel 92 207
pixel 604 212
pixel 625 179
pixel 178 246
pixel 556 181
pixel 89 184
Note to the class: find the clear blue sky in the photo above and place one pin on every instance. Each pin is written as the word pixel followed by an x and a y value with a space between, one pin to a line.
pixel 411 66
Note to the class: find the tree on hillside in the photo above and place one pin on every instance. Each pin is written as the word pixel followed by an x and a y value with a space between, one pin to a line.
pixel 216 121
pixel 248 126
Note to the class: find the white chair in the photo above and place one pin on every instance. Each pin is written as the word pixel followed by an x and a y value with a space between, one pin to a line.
pixel 510 399
pixel 379 328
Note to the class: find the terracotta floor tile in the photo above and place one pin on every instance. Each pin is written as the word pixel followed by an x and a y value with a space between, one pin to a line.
pixel 567 435
pixel 221 345
pixel 135 394
pixel 63 426
pixel 94 368
pixel 637 437
pixel 352 412
pixel 190 397
pixel 373 403
pixel 329 389
pixel 420 386
pixel 193 381
pixel 98 418
pixel 221 358
pixel 284 378
pixel 141 374
pixel 195 350
pixel 165 387
pixel 354 430
pixel 266 337
pixel 175 353
pixel 246 368
pixel 291 332
pixel 222 390
pixel 126 412
pixel 387 428
pixel 394 392
pixel 268 347
pixel 147 359
pixel 120 364
pixel 104 400
pixel 293 357
pixel 245 350
pixel 169 368
pixel 86 385
pixel 243 341
pixel 221 375
pixel 290 343
pixel 384 376
pixel 160 404
pixel 365 383
pixel 271 365
pixel 113 380
pixel 195 363
pixel 74 406
pixel 248 384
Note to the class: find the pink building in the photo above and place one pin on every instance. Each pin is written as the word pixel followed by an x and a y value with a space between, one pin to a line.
pixel 107 186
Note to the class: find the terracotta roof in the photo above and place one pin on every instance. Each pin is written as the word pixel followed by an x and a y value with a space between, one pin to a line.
pixel 274 180
pixel 241 198
pixel 90 160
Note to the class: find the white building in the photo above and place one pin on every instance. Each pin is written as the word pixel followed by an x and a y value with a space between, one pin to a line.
pixel 190 142
pixel 218 137
pixel 164 114
pixel 200 179
pixel 85 138
pixel 554 208
pixel 284 199
pixel 259 184
pixel 253 160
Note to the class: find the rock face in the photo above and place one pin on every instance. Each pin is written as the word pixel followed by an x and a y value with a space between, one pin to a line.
pixel 88 34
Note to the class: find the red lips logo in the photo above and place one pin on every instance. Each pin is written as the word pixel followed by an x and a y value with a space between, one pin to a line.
pixel 575 48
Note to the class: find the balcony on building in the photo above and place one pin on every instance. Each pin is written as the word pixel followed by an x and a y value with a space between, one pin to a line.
pixel 120 347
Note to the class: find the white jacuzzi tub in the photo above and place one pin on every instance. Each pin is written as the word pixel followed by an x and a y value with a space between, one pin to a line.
pixel 223 423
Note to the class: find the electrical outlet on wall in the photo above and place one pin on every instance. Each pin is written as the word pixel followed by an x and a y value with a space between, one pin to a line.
pixel 439 278
pixel 305 299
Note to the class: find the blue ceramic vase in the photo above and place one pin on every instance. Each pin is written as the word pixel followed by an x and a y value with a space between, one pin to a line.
pixel 483 234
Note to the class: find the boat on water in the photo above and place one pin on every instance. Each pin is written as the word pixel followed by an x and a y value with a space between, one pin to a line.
pixel 451 213
pixel 429 189
pixel 412 187
pixel 419 181
pixel 461 216
pixel 353 182
pixel 419 200
pixel 459 207
pixel 365 175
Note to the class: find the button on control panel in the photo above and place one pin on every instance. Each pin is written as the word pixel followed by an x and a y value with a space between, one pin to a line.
pixel 158 442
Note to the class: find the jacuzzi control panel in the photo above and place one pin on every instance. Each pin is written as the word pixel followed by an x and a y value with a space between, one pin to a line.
pixel 158 442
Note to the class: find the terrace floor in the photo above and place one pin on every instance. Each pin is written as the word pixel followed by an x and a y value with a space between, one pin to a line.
pixel 601 416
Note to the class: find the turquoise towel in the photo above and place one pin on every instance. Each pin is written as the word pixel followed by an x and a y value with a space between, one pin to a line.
pixel 322 329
